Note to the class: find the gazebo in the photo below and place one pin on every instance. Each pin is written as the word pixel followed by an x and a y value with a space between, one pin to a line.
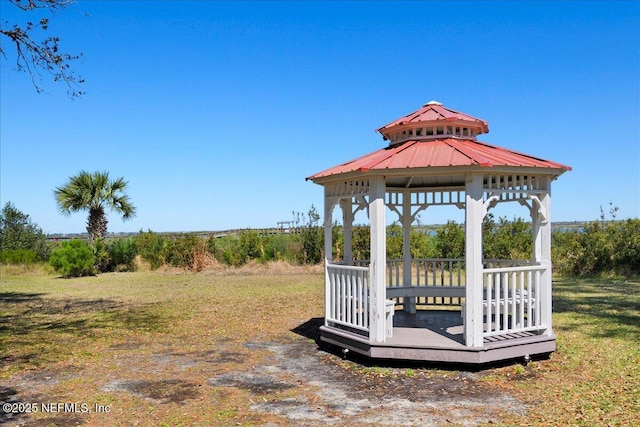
pixel 472 310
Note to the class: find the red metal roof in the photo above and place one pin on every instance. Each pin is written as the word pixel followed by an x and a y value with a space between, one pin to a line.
pixel 435 111
pixel 439 153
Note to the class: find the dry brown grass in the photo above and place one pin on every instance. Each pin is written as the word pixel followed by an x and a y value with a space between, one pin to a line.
pixel 254 268
pixel 208 265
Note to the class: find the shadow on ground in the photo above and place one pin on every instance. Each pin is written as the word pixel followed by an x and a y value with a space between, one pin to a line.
pixel 28 317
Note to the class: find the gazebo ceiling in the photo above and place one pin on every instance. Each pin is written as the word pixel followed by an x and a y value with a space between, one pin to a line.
pixel 447 156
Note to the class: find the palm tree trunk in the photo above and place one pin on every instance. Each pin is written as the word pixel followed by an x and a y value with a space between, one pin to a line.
pixel 97 223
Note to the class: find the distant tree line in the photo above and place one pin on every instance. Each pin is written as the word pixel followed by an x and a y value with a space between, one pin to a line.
pixel 600 248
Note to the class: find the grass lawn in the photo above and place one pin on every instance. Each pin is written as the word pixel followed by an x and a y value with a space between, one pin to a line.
pixel 594 377
pixel 155 348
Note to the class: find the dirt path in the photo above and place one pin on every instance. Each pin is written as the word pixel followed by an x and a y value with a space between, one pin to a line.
pixel 344 396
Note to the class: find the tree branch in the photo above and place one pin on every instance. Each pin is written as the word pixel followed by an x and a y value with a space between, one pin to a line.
pixel 41 4
pixel 34 57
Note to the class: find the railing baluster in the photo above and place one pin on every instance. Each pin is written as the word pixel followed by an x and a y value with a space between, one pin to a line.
pixel 342 298
pixel 489 297
pixel 530 296
pixel 434 268
pixel 338 297
pixel 522 301
pixel 512 300
pixel 396 273
pixel 505 308
pixel 538 304
pixel 498 300
pixel 352 298
pixel 365 298
pixel 332 293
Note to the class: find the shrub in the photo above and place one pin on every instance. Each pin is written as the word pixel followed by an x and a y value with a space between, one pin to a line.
pixel 310 236
pixel 101 254
pixel 507 239
pixel 18 256
pixel 627 253
pixel 211 245
pixel 422 245
pixel 600 248
pixel 250 246
pixel 337 233
pixel 224 250
pixel 74 258
pixel 151 247
pixel 312 245
pixel 179 251
pixel 276 247
pixel 450 241
pixel 122 255
pixel 188 251
pixel 361 242
pixel 18 232
pixel 395 238
pixel 228 252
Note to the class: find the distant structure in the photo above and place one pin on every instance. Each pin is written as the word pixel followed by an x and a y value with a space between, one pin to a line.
pixel 284 225
pixel 471 310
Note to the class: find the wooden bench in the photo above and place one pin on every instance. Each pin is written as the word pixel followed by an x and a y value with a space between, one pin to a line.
pixel 509 301
pixel 413 292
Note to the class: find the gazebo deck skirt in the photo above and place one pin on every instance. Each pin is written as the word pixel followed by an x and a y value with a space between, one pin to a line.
pixel 436 336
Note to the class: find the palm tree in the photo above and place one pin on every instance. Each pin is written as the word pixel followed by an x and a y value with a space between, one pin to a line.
pixel 94 192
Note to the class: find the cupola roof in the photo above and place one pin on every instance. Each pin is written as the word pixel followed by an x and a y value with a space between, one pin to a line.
pixel 433 121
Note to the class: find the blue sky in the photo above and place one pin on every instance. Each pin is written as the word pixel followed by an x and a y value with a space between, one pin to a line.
pixel 215 112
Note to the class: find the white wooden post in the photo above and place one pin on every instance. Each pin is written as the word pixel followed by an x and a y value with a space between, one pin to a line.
pixel 328 245
pixel 409 303
pixel 347 228
pixel 328 224
pixel 473 313
pixel 536 222
pixel 544 237
pixel 377 268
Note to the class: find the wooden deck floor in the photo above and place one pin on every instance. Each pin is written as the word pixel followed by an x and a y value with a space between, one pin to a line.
pixel 428 327
pixel 434 335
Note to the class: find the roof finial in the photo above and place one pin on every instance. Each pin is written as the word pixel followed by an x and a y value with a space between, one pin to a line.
pixel 432 102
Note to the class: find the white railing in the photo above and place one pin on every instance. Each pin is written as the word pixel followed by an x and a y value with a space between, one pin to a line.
pixel 501 263
pixel 347 302
pixel 512 300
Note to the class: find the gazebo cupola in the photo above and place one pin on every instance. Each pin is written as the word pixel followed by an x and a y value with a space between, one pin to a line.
pixel 468 310
pixel 433 121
